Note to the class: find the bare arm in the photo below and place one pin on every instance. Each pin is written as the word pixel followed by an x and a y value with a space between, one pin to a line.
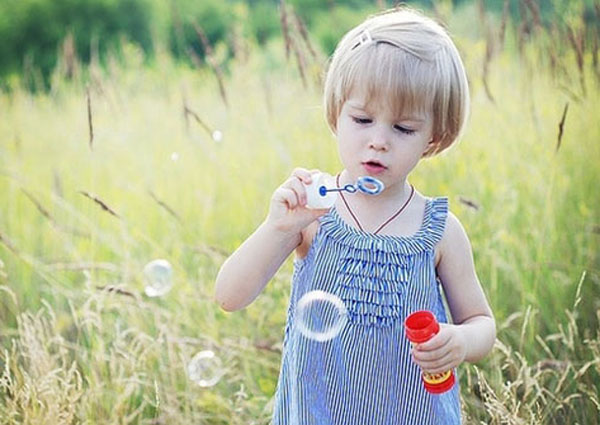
pixel 247 271
pixel 473 333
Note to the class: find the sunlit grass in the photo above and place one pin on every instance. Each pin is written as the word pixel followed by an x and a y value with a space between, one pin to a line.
pixel 76 353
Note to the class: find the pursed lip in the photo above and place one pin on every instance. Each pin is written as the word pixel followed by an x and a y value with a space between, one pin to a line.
pixel 374 167
pixel 374 162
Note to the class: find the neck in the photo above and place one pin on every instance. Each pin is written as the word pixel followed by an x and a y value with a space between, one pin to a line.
pixel 398 192
pixel 375 208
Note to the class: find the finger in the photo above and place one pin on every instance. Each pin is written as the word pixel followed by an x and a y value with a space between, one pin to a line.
pixel 287 196
pixel 303 175
pixel 441 368
pixel 440 365
pixel 435 343
pixel 432 355
pixel 430 359
pixel 298 188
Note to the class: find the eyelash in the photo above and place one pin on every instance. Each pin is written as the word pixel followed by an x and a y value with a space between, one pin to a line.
pixel 363 121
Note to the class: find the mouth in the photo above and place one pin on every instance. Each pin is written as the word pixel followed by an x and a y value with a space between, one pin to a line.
pixel 373 166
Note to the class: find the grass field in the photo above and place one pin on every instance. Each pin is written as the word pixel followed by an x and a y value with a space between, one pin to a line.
pixel 80 217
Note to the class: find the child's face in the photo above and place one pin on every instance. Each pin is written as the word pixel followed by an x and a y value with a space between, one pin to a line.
pixel 373 142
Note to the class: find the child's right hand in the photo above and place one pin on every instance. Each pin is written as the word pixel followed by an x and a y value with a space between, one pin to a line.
pixel 288 212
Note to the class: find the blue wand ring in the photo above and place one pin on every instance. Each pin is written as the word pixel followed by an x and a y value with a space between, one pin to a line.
pixel 366 184
pixel 370 185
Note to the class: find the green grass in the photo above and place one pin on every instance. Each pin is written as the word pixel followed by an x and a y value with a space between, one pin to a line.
pixel 82 355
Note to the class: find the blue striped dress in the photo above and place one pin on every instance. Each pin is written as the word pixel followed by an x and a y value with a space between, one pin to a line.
pixel 365 374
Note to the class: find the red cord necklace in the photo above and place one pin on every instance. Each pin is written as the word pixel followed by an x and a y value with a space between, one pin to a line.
pixel 396 214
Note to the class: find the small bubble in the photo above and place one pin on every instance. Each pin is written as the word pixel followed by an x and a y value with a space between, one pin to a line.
pixel 205 369
pixel 174 156
pixel 217 136
pixel 158 275
pixel 321 315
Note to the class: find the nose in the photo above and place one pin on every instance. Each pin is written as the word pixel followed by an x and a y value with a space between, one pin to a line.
pixel 379 140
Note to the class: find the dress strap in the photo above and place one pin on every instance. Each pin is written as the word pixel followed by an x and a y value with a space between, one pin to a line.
pixel 435 220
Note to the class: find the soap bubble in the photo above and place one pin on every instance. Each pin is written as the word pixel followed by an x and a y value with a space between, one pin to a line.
pixel 205 369
pixel 158 276
pixel 174 156
pixel 321 315
pixel 217 136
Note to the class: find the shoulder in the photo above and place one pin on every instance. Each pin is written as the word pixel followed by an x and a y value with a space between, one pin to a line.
pixel 454 243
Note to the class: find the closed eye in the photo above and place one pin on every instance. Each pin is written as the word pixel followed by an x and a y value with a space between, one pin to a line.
pixel 404 130
pixel 359 120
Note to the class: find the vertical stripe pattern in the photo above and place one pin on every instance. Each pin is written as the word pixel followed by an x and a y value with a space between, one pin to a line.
pixel 365 374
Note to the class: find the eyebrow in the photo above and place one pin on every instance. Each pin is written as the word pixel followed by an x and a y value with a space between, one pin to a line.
pixel 356 105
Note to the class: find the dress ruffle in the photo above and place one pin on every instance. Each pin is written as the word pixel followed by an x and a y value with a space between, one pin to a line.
pixel 430 233
pixel 376 268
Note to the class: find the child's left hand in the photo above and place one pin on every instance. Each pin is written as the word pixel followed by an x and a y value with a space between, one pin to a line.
pixel 446 350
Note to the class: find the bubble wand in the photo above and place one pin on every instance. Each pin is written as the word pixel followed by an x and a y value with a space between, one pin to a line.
pixel 322 192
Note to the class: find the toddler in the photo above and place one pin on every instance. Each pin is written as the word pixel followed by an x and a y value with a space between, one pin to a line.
pixel 395 92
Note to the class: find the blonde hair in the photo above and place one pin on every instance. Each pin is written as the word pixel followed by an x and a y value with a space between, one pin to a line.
pixel 409 61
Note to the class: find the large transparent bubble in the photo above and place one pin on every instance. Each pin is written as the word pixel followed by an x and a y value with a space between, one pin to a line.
pixel 158 276
pixel 205 369
pixel 320 316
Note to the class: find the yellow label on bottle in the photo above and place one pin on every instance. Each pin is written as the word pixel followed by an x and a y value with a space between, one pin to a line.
pixel 436 378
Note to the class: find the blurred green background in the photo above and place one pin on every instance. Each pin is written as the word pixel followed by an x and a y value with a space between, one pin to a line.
pixel 33 31
pixel 141 129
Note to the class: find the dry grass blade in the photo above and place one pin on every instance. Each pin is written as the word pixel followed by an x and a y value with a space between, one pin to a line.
pixel 595 41
pixel 552 364
pixel 116 290
pixel 285 29
pixel 39 206
pixel 8 244
pixel 266 345
pixel 551 51
pixel 524 28
pixel 188 111
pixel 561 126
pixel 57 183
pixel 469 203
pixel 10 293
pixel 290 43
pixel 89 115
pixel 528 315
pixel 489 53
pixel 535 12
pixel 577 39
pixel 165 206
pixel 301 63
pixel 578 291
pixel 481 13
pixel 51 219
pixel 595 56
pixel 505 13
pixel 69 57
pixel 301 27
pixel 100 202
pixel 209 54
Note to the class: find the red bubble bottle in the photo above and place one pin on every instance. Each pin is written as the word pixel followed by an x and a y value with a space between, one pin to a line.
pixel 421 326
